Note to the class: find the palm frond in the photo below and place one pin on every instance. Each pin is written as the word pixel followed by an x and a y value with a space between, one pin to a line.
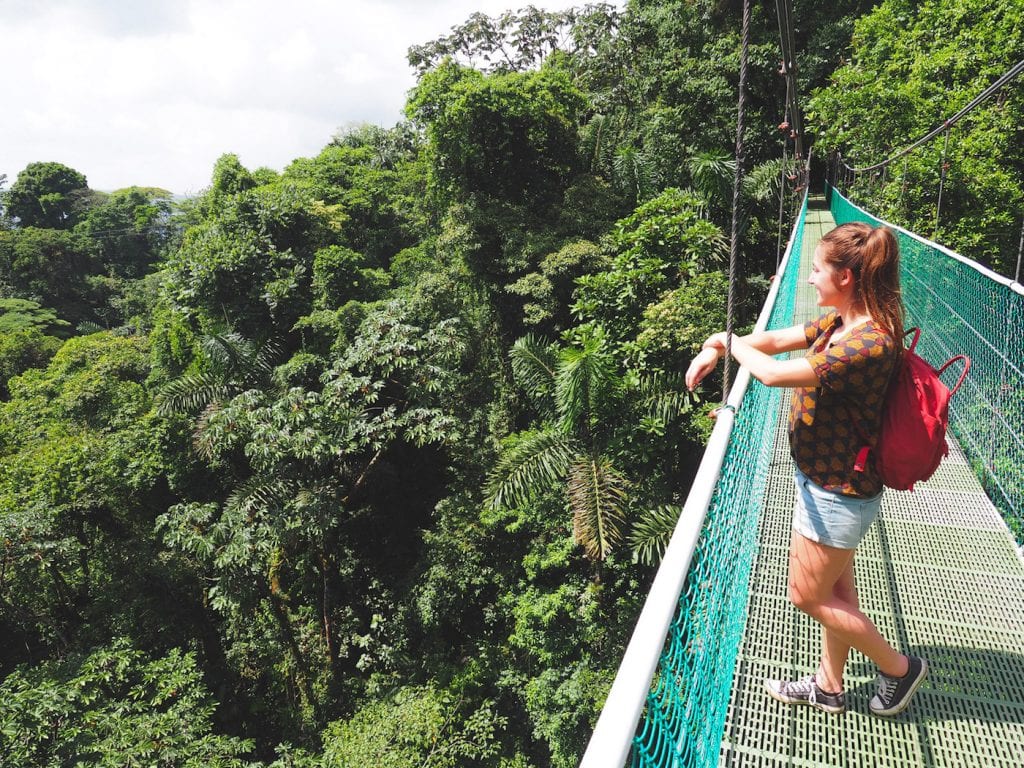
pixel 712 174
pixel 651 533
pixel 257 495
pixel 230 351
pixel 533 365
pixel 592 140
pixel 597 497
pixel 633 172
pixel 762 183
pixel 266 355
pixel 585 381
pixel 536 460
pixel 203 440
pixel 190 393
pixel 88 326
pixel 664 397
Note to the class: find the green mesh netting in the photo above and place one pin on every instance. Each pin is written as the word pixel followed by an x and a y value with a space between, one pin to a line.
pixel 686 708
pixel 962 310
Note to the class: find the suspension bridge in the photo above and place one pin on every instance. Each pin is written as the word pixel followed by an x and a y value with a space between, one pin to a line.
pixel 941 574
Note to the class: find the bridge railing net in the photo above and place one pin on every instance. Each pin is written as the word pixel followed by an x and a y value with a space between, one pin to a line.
pixel 685 715
pixel 963 309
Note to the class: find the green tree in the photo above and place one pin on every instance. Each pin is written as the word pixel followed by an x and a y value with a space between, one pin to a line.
pixel 416 727
pixel 249 259
pixel 114 707
pixel 230 364
pixel 377 180
pixel 51 267
pixel 674 327
pixel 130 228
pixel 576 389
pixel 301 467
pixel 22 348
pixel 505 136
pixel 518 40
pixel 549 290
pixel 230 177
pixel 913 65
pixel 18 315
pixel 49 195
pixel 81 462
pixel 662 245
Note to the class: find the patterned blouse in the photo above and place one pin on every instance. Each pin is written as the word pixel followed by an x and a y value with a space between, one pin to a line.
pixel 828 424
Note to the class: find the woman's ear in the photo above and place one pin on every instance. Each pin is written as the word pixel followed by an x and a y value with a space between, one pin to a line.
pixel 845 277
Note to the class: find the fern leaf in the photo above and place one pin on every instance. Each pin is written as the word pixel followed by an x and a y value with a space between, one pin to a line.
pixel 257 495
pixel 229 351
pixel 665 397
pixel 762 183
pixel 190 393
pixel 584 383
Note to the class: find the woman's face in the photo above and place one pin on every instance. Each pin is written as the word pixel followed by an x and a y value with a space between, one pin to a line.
pixel 824 279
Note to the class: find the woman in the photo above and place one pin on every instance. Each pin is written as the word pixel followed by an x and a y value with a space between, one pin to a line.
pixel 839 390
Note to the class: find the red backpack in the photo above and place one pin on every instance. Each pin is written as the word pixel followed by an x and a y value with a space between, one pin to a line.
pixel 912 438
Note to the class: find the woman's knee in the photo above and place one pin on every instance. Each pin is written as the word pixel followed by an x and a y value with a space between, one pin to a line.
pixel 803 598
pixel 845 592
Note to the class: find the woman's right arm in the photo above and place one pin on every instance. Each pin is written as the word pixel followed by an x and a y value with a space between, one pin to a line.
pixel 769 342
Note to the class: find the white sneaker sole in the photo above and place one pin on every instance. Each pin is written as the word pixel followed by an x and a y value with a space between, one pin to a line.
pixel 905 702
pixel 830 708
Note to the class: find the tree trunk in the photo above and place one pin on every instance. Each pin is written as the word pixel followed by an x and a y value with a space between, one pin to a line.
pixel 280 611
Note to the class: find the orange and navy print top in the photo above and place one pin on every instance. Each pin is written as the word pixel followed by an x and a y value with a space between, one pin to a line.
pixel 828 424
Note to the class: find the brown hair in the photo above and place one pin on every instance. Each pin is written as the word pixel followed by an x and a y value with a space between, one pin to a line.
pixel 872 254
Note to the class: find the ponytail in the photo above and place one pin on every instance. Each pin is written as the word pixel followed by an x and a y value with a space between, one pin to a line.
pixel 872 254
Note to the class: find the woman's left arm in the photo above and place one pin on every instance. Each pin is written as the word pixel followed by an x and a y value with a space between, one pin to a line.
pixel 772 372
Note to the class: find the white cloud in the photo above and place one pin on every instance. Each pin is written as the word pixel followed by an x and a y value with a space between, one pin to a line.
pixel 152 93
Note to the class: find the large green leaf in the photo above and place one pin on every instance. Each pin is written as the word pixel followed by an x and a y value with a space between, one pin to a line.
pixel 585 382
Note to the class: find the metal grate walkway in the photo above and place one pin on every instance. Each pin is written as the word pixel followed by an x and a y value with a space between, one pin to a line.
pixel 940 575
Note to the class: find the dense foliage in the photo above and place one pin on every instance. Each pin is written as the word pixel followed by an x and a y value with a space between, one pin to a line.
pixel 368 461
pixel 912 66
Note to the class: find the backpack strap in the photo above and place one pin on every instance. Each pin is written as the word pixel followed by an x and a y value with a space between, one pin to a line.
pixel 967 367
pixel 861 462
pixel 939 371
pixel 862 457
pixel 917 336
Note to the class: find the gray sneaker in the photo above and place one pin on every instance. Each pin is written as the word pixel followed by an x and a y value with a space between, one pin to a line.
pixel 806 691
pixel 894 693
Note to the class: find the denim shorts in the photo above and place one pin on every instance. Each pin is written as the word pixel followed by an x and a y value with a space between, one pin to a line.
pixel 831 518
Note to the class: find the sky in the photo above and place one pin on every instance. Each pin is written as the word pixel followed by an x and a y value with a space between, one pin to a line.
pixel 152 92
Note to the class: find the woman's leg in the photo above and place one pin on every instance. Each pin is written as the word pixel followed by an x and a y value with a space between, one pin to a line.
pixel 834 649
pixel 814 572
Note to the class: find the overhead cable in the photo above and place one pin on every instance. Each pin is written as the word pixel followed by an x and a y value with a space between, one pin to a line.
pixel 734 241
pixel 784 9
pixel 1007 76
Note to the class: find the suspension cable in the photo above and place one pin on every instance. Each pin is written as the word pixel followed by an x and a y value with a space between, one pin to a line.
pixel 782 189
pixel 734 245
pixel 784 10
pixel 1006 77
pixel 943 167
